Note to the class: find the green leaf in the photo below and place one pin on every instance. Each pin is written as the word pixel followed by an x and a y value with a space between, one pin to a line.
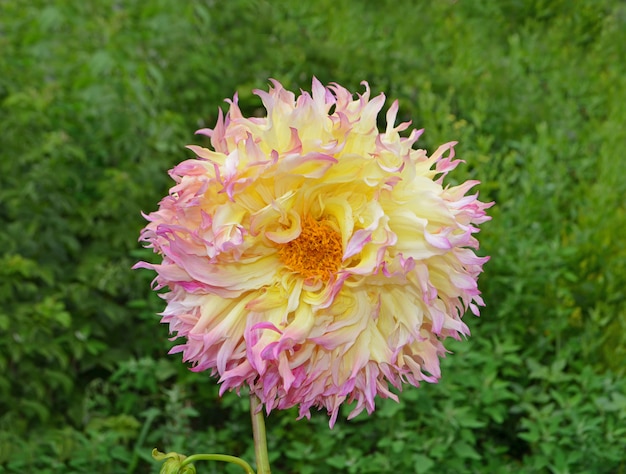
pixel 423 463
pixel 465 451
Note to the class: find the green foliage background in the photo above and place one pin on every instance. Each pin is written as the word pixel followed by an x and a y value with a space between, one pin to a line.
pixel 98 99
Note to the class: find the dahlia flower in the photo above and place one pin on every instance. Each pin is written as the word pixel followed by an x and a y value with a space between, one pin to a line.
pixel 312 258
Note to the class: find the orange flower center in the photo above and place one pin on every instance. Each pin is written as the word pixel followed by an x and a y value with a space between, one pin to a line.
pixel 316 252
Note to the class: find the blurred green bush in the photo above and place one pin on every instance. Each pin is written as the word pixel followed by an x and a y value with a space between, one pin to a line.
pixel 98 99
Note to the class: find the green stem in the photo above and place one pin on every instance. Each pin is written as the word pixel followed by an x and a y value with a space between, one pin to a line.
pixel 260 441
pixel 150 416
pixel 217 457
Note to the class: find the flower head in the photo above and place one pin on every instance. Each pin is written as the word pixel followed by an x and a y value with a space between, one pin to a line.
pixel 312 258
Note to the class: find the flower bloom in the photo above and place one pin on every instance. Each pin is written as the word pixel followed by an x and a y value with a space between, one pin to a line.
pixel 312 258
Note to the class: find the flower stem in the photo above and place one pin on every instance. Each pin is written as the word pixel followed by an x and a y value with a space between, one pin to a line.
pixel 260 441
pixel 217 457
